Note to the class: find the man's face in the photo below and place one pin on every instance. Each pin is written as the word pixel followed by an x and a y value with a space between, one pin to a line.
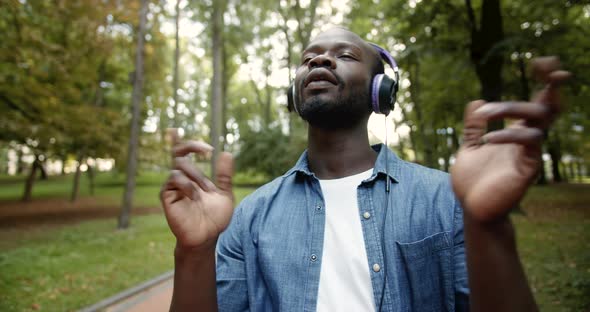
pixel 333 81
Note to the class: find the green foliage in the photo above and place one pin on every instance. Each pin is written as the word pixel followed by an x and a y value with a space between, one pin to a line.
pixel 435 57
pixel 64 75
pixel 268 151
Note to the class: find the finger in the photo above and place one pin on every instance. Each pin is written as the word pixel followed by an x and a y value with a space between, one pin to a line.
pixel 550 94
pixel 534 112
pixel 547 70
pixel 180 182
pixel 517 135
pixel 542 67
pixel 184 165
pixel 474 126
pixel 559 77
pixel 187 147
pixel 224 171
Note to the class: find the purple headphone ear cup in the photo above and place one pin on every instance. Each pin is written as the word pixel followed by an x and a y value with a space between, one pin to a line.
pixel 375 85
pixel 384 88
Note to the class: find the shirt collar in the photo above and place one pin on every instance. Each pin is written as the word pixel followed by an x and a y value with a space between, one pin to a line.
pixel 387 163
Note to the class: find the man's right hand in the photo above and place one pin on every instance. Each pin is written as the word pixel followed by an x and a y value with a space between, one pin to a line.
pixel 197 210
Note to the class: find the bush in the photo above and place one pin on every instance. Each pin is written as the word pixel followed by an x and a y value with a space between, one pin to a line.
pixel 269 152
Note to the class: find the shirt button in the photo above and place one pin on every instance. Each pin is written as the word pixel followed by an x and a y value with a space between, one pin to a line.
pixel 366 215
pixel 313 257
pixel 376 267
pixel 318 207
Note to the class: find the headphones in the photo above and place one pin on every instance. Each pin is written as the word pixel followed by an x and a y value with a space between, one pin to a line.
pixel 383 88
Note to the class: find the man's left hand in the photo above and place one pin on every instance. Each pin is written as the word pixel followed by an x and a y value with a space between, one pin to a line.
pixel 493 170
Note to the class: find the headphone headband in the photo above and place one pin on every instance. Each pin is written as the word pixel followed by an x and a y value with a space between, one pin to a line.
pixel 386 56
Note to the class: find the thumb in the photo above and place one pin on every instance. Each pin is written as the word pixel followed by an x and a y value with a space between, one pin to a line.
pixel 224 171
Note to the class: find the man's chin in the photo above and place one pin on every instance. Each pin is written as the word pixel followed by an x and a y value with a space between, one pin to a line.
pixel 316 105
pixel 329 114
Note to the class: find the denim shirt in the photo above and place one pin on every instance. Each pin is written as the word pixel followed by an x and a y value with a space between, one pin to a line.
pixel 269 258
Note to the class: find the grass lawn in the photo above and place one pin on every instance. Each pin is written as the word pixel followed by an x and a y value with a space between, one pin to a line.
pixel 554 243
pixel 108 186
pixel 78 265
pixel 63 268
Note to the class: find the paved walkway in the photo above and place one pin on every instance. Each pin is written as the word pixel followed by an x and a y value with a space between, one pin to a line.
pixel 150 296
pixel 154 299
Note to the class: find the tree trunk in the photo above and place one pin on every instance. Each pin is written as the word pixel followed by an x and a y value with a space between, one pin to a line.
pixel 76 185
pixel 136 99
pixel 580 171
pixel 217 86
pixel 224 102
pixel 542 178
pixel 554 151
pixel 488 63
pixel 267 105
pixel 572 174
pixel 30 181
pixel 20 165
pixel 42 170
pixel 176 59
pixel 90 178
pixel 63 159
pixel 424 135
pixel 563 170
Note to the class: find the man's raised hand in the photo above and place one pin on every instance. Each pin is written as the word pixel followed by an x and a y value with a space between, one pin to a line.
pixel 197 210
pixel 493 170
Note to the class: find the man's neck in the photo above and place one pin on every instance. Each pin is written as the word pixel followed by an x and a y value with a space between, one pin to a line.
pixel 339 153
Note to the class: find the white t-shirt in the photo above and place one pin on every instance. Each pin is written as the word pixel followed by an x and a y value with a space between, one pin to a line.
pixel 345 280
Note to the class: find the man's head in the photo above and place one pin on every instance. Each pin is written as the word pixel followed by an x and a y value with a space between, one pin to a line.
pixel 333 82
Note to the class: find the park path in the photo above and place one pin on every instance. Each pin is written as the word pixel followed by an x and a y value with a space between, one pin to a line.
pixel 155 299
pixel 154 295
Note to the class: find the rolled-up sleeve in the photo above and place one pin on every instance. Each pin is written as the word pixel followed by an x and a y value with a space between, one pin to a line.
pixel 232 289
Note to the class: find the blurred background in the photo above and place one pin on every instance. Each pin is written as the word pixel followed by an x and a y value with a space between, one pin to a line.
pixel 89 90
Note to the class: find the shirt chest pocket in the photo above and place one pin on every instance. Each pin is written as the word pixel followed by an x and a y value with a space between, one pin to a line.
pixel 425 270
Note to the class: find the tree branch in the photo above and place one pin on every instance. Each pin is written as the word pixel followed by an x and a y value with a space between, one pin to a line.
pixel 17 108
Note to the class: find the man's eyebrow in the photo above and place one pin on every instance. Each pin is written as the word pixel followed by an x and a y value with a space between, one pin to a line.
pixel 338 45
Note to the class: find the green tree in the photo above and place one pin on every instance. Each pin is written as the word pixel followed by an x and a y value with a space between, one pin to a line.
pixel 136 101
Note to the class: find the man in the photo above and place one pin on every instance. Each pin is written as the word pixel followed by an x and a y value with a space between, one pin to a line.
pixel 331 235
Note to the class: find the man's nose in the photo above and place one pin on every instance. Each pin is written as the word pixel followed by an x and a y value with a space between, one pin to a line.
pixel 322 60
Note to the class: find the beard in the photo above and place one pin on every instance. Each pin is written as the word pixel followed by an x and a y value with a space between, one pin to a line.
pixel 336 113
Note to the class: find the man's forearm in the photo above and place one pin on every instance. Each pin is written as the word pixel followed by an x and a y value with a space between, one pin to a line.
pixel 194 281
pixel 496 277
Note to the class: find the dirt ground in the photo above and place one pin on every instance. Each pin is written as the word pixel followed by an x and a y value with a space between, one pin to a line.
pixel 57 212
